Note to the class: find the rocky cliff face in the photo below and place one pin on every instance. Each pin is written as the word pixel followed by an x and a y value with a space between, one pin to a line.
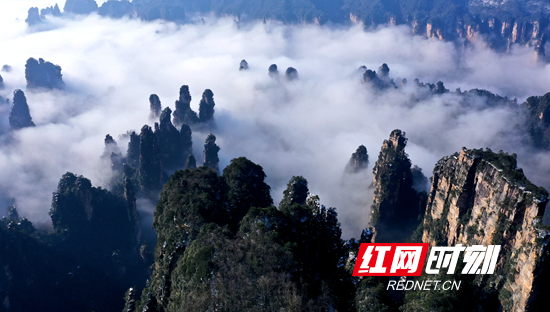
pixel 20 116
pixel 481 198
pixel 173 152
pixel 80 6
pixel 210 153
pixel 537 120
pixel 396 208
pixel 33 17
pixel 359 160
pixel 500 23
pixel 116 9
pixel 42 74
pixel 206 106
pixel 499 34
pixel 183 113
pixel 155 107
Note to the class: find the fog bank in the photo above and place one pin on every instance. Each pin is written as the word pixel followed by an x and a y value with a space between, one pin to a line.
pixel 307 127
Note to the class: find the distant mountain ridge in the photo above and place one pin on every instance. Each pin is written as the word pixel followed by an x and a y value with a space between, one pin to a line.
pixel 376 11
pixel 500 23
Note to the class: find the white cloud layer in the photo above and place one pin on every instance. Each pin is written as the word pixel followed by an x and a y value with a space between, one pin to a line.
pixel 307 127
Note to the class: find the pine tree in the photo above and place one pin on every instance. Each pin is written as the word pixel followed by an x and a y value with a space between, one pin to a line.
pixel 296 193
pixel 130 297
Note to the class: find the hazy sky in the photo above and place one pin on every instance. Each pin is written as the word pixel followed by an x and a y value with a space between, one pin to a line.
pixel 307 127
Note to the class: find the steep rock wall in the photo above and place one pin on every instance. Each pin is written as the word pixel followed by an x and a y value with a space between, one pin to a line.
pixel 482 198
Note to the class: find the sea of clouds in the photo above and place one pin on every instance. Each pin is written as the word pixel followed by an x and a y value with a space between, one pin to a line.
pixel 307 127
